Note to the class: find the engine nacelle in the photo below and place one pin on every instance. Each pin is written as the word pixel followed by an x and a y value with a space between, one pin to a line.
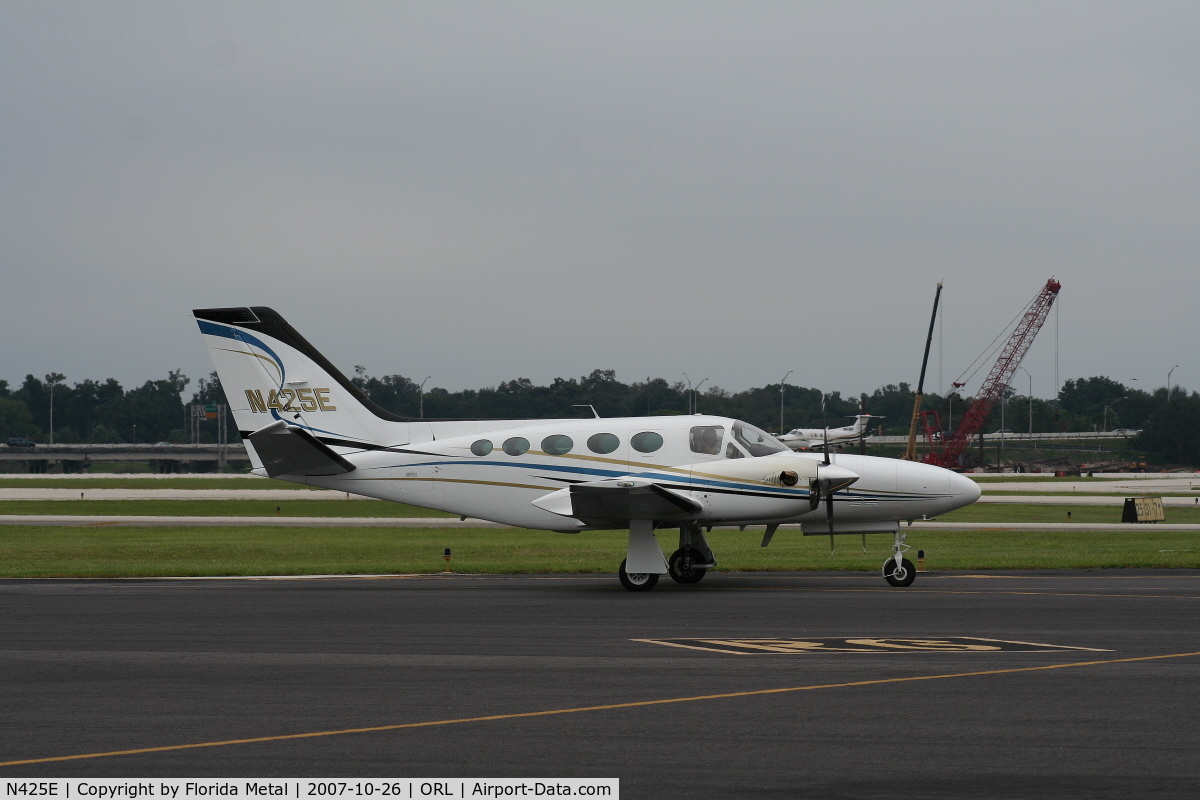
pixel 763 488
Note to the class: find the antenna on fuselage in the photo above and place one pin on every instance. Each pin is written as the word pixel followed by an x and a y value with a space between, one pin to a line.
pixel 595 413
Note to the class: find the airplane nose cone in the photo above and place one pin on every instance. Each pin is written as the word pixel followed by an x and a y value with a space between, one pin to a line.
pixel 965 490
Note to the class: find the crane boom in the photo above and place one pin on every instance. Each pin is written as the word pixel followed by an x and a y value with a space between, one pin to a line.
pixel 910 453
pixel 949 453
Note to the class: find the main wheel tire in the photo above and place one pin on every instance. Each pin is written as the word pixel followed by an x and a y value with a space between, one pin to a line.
pixel 904 576
pixel 637 581
pixel 681 567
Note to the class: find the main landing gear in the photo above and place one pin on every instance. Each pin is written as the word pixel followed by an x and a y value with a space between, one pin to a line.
pixel 684 568
pixel 897 570
pixel 637 581
pixel 688 564
pixel 693 559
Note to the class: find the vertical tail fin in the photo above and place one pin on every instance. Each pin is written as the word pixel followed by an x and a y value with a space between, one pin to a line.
pixel 270 372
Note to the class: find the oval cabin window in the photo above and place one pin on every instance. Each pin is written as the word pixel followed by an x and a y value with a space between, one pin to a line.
pixel 603 443
pixel 557 445
pixel 646 442
pixel 516 446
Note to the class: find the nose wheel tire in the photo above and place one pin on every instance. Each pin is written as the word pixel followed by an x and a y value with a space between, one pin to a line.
pixel 904 576
pixel 637 581
pixel 681 567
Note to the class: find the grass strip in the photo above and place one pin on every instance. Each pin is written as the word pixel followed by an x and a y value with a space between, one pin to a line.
pixel 113 552
pixel 219 508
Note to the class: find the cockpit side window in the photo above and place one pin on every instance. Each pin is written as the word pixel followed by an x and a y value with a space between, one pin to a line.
pixel 706 439
pixel 732 451
pixel 757 442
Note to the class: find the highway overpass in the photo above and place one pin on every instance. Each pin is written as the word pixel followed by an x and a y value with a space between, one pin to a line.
pixel 161 457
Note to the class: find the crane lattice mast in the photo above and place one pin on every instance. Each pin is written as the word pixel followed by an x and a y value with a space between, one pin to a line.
pixel 950 452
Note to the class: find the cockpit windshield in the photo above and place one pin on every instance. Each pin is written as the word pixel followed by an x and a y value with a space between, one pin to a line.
pixel 757 442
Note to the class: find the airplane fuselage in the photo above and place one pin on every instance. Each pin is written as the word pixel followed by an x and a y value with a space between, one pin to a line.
pixel 473 475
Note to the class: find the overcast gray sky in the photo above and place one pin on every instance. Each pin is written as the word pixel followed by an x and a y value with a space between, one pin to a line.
pixel 483 191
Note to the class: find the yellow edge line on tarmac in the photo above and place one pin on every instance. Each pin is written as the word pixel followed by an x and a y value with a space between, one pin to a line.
pixel 608 707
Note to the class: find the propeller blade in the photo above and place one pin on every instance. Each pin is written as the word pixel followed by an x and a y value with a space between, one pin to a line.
pixel 814 494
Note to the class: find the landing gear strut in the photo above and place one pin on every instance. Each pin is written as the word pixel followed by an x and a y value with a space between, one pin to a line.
pixel 644 560
pixel 693 559
pixel 897 570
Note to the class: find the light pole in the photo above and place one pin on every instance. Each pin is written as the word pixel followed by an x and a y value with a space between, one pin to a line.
pixel 1169 381
pixel 689 392
pixel 421 398
pixel 781 384
pixel 1107 406
pixel 696 398
pixel 53 380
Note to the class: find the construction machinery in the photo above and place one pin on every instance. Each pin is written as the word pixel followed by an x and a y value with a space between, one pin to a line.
pixel 910 452
pixel 946 448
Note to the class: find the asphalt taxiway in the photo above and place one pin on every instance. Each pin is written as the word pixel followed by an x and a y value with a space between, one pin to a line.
pixel 1020 684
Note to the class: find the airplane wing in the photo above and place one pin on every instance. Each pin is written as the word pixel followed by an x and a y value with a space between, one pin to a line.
pixel 288 450
pixel 600 502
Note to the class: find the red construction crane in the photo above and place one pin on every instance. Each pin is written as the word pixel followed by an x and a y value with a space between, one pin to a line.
pixel 949 453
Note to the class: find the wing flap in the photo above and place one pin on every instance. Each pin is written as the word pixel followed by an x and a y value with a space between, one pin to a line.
pixel 617 502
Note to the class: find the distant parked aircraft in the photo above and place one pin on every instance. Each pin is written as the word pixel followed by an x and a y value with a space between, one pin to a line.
pixel 815 438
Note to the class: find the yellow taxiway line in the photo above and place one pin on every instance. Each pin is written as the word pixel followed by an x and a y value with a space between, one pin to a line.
pixel 607 707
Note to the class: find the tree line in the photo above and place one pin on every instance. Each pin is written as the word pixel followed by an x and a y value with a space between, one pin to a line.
pixel 104 411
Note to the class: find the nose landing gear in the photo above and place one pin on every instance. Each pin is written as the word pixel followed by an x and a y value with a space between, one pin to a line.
pixel 902 575
pixel 897 570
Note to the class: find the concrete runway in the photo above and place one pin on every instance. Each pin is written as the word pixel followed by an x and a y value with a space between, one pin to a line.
pixel 1083 500
pixel 1150 485
pixel 101 521
pixel 21 493
pixel 458 673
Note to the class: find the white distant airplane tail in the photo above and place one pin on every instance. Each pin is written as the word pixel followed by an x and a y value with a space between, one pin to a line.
pixel 861 421
pixel 270 373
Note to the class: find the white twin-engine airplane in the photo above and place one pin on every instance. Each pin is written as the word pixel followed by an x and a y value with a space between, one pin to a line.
pixel 303 421
pixel 820 438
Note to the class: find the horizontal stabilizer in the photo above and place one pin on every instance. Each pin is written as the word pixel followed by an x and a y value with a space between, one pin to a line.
pixel 288 450
pixel 619 501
